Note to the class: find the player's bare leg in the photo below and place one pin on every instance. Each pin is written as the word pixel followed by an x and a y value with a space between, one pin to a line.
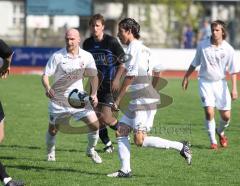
pixel 107 119
pixel 141 139
pixel 50 142
pixel 1 131
pixel 223 124
pixel 210 126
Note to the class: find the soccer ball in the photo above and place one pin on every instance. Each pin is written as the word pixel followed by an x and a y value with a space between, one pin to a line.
pixel 78 99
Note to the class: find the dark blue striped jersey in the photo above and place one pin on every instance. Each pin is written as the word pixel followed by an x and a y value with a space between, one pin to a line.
pixel 105 53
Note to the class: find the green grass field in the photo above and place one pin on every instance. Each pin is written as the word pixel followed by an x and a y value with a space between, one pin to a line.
pixel 23 150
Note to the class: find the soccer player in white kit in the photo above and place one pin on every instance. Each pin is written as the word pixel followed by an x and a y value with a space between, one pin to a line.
pixel 142 108
pixel 68 66
pixel 215 56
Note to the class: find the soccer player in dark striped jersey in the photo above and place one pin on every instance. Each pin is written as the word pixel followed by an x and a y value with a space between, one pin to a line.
pixel 106 51
pixel 6 55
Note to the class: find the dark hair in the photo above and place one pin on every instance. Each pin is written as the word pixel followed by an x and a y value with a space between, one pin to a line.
pixel 95 18
pixel 130 24
pixel 219 22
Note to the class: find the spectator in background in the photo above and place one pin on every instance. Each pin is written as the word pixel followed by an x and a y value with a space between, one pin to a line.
pixel 232 29
pixel 188 37
pixel 205 31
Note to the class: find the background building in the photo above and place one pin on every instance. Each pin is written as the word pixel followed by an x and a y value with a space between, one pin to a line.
pixel 162 24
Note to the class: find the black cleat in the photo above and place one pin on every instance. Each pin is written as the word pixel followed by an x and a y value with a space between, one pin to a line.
pixel 120 174
pixel 186 152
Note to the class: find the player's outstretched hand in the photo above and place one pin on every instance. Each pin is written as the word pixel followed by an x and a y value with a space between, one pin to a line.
pixel 94 100
pixel 185 83
pixel 50 93
pixel 115 107
pixel 234 94
pixel 115 85
pixel 4 74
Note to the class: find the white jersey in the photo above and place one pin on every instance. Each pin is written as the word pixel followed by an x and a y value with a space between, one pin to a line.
pixel 65 71
pixel 215 61
pixel 139 66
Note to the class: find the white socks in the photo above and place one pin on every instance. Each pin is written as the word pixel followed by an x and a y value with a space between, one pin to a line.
pixel 211 127
pixel 50 142
pixel 92 141
pixel 151 141
pixel 124 153
pixel 222 125
pixel 108 144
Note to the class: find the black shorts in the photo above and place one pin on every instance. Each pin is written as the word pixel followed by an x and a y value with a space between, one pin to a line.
pixel 108 98
pixel 1 112
pixel 105 95
pixel 105 86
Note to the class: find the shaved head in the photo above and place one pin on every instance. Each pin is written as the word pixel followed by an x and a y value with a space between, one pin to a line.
pixel 72 32
pixel 72 38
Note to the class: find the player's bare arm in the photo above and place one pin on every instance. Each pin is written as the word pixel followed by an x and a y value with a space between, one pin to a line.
pixel 186 76
pixel 234 92
pixel 48 91
pixel 156 77
pixel 126 83
pixel 94 86
pixel 116 81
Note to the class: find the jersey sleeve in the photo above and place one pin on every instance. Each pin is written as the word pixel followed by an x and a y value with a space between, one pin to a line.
pixel 153 64
pixel 91 69
pixel 197 59
pixel 132 66
pixel 157 67
pixel 5 50
pixel 233 64
pixel 51 66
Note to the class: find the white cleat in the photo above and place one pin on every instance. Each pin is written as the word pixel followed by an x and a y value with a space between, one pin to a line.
pixel 51 154
pixel 109 149
pixel 51 157
pixel 95 157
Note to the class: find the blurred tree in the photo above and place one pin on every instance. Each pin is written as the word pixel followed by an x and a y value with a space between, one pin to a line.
pixel 179 14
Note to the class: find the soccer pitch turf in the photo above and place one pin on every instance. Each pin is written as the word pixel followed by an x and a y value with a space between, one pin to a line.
pixel 23 150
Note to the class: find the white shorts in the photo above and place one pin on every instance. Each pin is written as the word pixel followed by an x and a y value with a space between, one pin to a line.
pixel 66 115
pixel 139 120
pixel 215 94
